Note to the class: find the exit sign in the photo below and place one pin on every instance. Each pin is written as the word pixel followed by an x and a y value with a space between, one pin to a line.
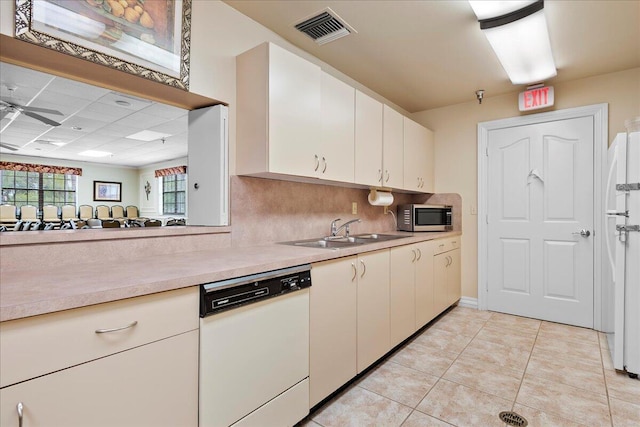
pixel 536 98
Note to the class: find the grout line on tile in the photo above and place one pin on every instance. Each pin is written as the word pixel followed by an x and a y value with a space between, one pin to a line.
pixel 515 399
pixel 606 386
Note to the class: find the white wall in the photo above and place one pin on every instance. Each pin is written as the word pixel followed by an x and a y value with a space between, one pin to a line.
pixel 455 128
pixel 152 206
pixel 92 172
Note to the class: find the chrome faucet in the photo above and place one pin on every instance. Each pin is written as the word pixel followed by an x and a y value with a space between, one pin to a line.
pixel 335 229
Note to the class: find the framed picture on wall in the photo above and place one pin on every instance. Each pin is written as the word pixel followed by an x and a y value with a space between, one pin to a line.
pixel 106 191
pixel 147 38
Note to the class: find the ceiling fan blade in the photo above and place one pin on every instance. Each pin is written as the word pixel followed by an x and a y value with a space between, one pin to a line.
pixel 40 110
pixel 9 146
pixel 41 118
pixel 8 102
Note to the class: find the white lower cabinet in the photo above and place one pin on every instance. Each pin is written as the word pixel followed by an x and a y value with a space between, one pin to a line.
pixel 363 306
pixel 349 320
pixel 152 385
pixel 402 293
pixel 332 326
pixel 425 308
pixel 373 307
pixel 446 274
pixel 411 290
pixel 132 362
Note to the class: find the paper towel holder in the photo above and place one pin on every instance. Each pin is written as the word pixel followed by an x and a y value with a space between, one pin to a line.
pixel 380 198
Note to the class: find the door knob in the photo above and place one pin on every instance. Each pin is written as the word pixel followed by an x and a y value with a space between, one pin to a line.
pixel 583 233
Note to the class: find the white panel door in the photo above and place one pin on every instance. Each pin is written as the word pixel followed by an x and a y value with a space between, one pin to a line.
pixel 541 197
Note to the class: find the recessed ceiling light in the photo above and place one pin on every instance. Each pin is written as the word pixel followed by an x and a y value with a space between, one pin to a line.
pixel 76 128
pixel 59 144
pixel 123 103
pixel 94 153
pixel 148 135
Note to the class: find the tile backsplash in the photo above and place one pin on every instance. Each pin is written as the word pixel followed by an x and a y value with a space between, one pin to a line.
pixel 266 210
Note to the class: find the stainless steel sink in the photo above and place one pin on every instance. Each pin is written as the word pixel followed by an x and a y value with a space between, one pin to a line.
pixel 337 242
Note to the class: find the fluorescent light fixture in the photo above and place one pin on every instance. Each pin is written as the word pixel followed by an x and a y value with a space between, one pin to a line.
pixel 94 153
pixel 519 38
pixel 148 135
pixel 59 143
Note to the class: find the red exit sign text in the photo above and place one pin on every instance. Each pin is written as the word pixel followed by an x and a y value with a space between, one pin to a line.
pixel 534 99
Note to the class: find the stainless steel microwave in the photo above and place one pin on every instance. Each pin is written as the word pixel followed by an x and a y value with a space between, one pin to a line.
pixel 424 218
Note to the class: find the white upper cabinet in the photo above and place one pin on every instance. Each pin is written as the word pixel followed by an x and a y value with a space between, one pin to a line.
pixel 392 149
pixel 335 155
pixel 368 141
pixel 418 157
pixel 279 110
pixel 296 122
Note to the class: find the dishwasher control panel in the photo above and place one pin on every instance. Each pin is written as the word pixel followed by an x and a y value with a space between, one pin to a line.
pixel 227 294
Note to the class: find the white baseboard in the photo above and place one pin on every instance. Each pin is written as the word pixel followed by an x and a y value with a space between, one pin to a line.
pixel 468 302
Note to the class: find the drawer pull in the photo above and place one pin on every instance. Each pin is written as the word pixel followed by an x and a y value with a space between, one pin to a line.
pixel 104 331
pixel 419 253
pixel 364 268
pixel 415 255
pixel 355 271
pixel 20 408
pixel 317 161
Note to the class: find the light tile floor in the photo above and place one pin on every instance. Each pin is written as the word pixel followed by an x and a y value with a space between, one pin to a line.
pixel 470 365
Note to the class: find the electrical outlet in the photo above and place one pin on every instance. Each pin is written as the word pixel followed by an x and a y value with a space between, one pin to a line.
pixel 354 208
pixel 474 210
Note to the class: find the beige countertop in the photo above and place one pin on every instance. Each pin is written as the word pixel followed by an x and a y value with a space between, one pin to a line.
pixel 32 292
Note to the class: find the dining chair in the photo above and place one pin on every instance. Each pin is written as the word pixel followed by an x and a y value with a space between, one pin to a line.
pixel 86 212
pixel 103 212
pixel 50 214
pixel 28 213
pixel 69 213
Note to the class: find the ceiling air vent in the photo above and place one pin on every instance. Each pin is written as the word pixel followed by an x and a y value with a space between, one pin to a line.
pixel 325 27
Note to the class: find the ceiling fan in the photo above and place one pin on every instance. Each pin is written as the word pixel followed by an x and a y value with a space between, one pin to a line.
pixel 6 107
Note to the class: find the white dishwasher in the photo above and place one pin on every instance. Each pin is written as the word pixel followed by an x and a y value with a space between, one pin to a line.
pixel 254 350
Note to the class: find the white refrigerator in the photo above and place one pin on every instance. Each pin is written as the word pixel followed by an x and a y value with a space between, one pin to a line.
pixel 623 248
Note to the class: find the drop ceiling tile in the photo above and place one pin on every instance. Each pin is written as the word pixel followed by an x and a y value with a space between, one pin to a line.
pixel 135 104
pixel 107 112
pixel 166 111
pixel 68 87
pixel 142 121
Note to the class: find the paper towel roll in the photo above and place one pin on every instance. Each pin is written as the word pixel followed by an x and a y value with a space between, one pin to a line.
pixel 380 198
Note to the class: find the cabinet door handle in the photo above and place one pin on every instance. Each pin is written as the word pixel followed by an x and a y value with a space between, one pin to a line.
pixel 380 175
pixel 317 162
pixel 104 331
pixel 20 408
pixel 387 173
pixel 419 253
pixel 324 169
pixel 414 255
pixel 364 268
pixel 355 271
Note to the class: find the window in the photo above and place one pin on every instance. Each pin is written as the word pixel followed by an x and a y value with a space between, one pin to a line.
pixel 37 188
pixel 174 194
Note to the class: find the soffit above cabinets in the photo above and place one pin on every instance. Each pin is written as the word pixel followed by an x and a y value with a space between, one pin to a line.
pixel 427 54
